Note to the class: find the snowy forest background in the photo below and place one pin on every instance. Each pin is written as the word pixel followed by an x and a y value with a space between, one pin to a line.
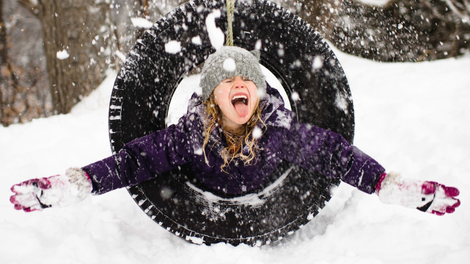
pixel 407 63
pixel 55 52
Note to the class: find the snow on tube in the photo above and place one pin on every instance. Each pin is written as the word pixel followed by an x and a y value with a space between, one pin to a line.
pixel 309 72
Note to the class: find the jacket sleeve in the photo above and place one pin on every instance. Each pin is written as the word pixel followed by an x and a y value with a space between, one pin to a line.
pixel 142 159
pixel 326 152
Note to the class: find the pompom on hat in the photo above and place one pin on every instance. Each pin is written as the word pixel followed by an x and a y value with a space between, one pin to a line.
pixel 227 62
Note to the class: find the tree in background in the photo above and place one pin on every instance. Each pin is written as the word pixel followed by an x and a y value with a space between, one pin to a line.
pixel 22 66
pixel 401 30
pixel 55 52
pixel 77 47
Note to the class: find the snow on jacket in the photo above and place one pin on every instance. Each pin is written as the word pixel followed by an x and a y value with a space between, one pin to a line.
pixel 284 138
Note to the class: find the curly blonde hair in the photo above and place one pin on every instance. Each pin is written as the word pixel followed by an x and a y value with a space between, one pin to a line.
pixel 235 139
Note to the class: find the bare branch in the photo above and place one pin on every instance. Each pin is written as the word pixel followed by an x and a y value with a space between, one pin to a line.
pixel 462 10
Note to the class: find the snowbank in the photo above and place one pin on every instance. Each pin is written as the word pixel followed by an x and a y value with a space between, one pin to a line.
pixel 411 117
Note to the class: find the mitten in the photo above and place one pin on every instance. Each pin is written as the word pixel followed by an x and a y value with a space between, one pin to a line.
pixel 426 196
pixel 55 191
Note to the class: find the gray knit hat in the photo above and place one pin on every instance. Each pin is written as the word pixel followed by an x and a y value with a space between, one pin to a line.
pixel 230 61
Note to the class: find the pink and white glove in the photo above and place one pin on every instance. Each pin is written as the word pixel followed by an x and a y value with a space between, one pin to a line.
pixel 426 196
pixel 55 191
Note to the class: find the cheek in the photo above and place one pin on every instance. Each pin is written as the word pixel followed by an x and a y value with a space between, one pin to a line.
pixel 222 104
pixel 217 97
pixel 254 96
pixel 223 95
pixel 219 94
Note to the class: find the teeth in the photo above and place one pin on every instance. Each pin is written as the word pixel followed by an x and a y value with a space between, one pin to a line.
pixel 240 97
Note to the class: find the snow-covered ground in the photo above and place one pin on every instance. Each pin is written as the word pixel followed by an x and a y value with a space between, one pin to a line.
pixel 411 117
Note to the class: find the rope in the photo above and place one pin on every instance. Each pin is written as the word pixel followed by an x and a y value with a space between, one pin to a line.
pixel 230 8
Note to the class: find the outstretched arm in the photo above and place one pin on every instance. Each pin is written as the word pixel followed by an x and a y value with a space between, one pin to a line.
pixel 321 150
pixel 138 161
pixel 324 151
pixel 142 159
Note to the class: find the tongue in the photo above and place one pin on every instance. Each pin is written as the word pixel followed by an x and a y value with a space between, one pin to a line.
pixel 241 108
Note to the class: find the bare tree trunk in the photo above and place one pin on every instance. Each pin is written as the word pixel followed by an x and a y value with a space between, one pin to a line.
pixel 9 85
pixel 3 58
pixel 76 48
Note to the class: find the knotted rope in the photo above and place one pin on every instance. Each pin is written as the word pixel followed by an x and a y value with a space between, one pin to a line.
pixel 230 8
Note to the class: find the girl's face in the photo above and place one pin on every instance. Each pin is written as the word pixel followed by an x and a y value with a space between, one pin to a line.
pixel 237 98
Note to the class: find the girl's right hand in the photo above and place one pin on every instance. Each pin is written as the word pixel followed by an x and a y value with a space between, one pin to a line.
pixel 55 191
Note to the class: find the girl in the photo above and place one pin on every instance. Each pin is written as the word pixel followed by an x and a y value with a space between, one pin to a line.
pixel 234 137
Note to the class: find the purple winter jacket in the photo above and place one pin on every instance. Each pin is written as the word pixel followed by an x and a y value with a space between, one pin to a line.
pixel 284 138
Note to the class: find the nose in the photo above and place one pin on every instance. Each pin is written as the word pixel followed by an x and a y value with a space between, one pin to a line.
pixel 239 83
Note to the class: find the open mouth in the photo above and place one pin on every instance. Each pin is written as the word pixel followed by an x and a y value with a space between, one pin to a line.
pixel 240 99
pixel 240 103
